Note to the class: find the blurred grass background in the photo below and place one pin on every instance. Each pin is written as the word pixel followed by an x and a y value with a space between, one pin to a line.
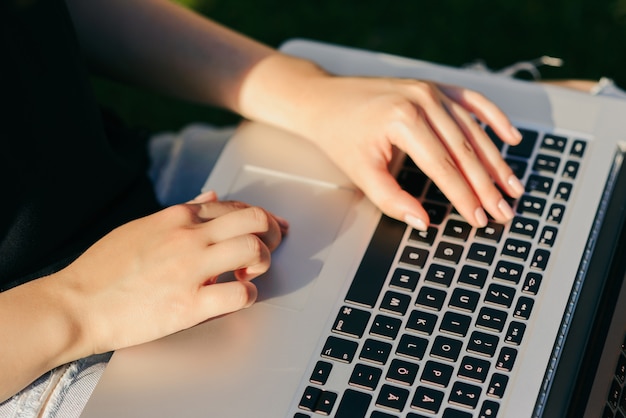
pixel 589 35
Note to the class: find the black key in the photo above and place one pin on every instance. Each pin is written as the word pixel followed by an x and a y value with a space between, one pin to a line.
pixel 481 253
pixel 404 279
pixel 491 232
pixel 532 283
pixel 554 143
pixel 431 298
pixel 508 272
pixel 526 146
pixel 421 322
pixel 402 372
pixel 523 308
pixel 354 404
pixel 395 303
pixel 426 237
pixel 321 372
pixel 539 184
pixel 473 276
pixel 515 333
pixel 435 194
pixel 517 166
pixel 464 394
pixel 413 181
pixel 497 385
pixel 385 327
pixel 563 191
pixel 441 275
pixel 378 414
pixel 464 299
pixel 457 229
pixel 524 226
pixel 372 272
pixel 392 397
pixel 351 322
pixel 500 295
pixel 491 319
pixel 546 163
pixel 339 349
pixel 570 171
pixel 446 348
pixel 516 248
pixel 301 415
pixel 531 205
pixel 436 212
pixel 427 399
pixel 555 214
pixel 578 148
pixel 455 413
pixel 540 259
pixel 412 347
pixel 436 373
pixel 613 397
pixel 413 256
pixel 474 369
pixel 506 359
pixel 365 377
pixel 447 251
pixel 309 398
pixel 455 324
pixel 483 344
pixel 375 351
pixel 325 402
pixel 489 409
pixel 620 370
pixel 494 138
pixel 548 236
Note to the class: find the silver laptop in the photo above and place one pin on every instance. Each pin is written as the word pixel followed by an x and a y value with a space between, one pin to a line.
pixel 361 316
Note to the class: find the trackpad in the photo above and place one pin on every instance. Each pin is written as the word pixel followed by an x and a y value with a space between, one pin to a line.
pixel 315 211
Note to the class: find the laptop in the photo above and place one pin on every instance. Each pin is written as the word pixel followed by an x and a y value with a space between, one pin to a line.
pixel 361 316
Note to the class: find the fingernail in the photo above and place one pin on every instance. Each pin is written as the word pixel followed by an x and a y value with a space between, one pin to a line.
pixel 516 133
pixel 205 197
pixel 415 222
pixel 506 209
pixel 516 185
pixel 481 217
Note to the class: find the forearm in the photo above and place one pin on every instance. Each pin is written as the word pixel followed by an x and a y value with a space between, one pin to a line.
pixel 39 332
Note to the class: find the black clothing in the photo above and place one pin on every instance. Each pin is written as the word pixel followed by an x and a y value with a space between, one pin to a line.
pixel 68 173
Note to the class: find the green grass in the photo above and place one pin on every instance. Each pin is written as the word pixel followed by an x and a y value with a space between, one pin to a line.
pixel 589 35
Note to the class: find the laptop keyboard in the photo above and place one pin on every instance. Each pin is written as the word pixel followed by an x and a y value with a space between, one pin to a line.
pixel 616 400
pixel 433 321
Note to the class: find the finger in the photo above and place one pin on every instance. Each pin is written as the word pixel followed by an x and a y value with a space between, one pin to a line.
pixel 249 220
pixel 485 110
pixel 246 255
pixel 222 298
pixel 205 197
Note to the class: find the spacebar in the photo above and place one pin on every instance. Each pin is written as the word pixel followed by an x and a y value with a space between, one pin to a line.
pixel 372 272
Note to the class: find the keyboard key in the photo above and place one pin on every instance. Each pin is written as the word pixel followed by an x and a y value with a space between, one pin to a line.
pixel 473 276
pixel 531 205
pixel 455 413
pixel 351 322
pixel 474 369
pixel 578 148
pixel 437 373
pixel 436 212
pixel 540 259
pixel 570 171
pixel 554 143
pixel 532 283
pixel 517 166
pixel 489 409
pixel 464 300
pixel 546 164
pixel 494 138
pixel 301 415
pixel 435 194
pixel 539 184
pixel 527 144
pixel 491 232
pixel 395 303
pixel 483 344
pixel 309 398
pixel 506 359
pixel 516 248
pixel 524 226
pixel 447 251
pixel 491 319
pixel 500 295
pixel 446 348
pixel 412 347
pixel 325 402
pixel 455 324
pixel 555 214
pixel 481 253
pixel 563 191
pixel 402 372
pixel 422 322
pixel 431 298
pixel 339 349
pixel 464 394
pixel 353 404
pixel 365 377
pixel 375 351
pixel 515 333
pixel 404 279
pixel 413 256
pixel 620 370
pixel 392 397
pixel 497 385
pixel 378 414
pixel 441 275
pixel 508 272
pixel 385 327
pixel 321 372
pixel 457 229
pixel 523 308
pixel 425 237
pixel 413 181
pixel 427 400
pixel 548 236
